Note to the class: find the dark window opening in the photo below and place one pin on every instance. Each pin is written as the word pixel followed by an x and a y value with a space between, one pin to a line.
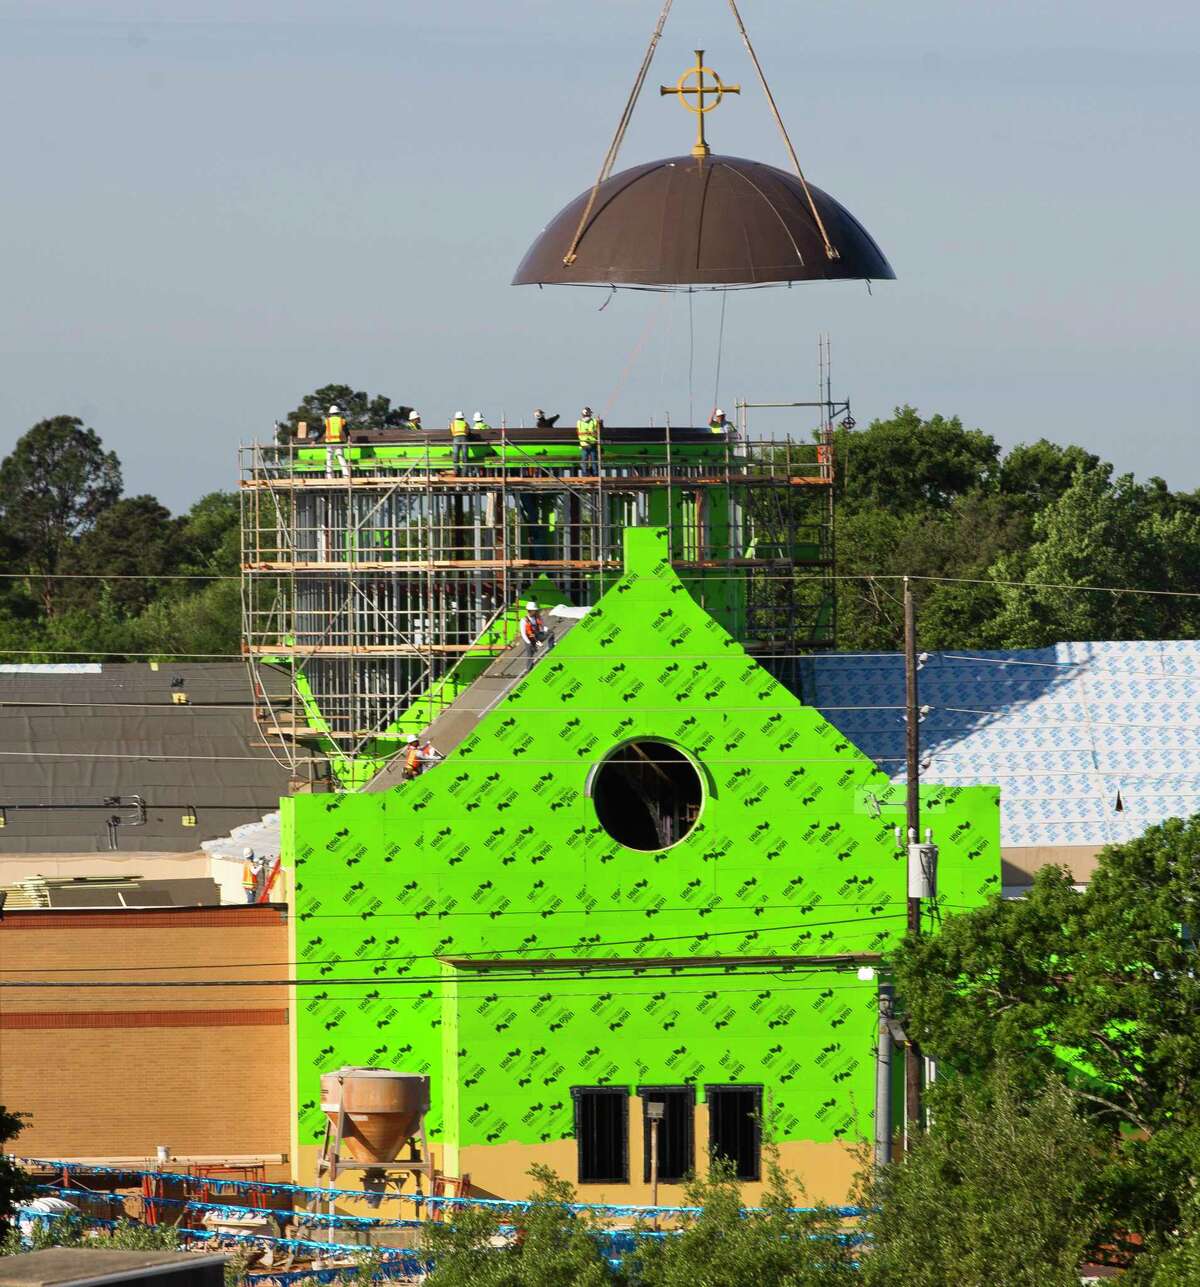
pixel 676 1132
pixel 647 795
pixel 735 1127
pixel 602 1134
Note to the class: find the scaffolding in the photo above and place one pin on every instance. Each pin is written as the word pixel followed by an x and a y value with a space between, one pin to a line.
pixel 382 579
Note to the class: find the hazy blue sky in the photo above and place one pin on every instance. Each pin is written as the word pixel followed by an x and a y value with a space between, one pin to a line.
pixel 213 206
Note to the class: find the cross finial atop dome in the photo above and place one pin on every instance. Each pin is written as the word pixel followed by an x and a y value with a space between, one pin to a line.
pixel 701 91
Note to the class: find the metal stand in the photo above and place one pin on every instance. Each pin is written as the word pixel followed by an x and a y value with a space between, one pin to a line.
pixel 419 1162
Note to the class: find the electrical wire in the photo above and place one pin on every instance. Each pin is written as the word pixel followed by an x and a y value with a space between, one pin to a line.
pixel 489 978
pixel 704 936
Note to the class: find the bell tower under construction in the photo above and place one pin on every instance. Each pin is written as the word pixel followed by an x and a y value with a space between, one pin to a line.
pixel 383 579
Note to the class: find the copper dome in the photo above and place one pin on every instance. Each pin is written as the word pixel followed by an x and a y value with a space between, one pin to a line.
pixel 702 221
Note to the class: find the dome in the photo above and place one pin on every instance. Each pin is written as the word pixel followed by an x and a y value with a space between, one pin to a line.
pixel 703 221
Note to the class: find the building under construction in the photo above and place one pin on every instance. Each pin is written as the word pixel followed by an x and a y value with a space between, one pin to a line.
pixel 383 582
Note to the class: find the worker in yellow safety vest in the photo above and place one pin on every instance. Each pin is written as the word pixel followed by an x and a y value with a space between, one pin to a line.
pixel 459 432
pixel 335 425
pixel 414 421
pixel 412 757
pixel 718 423
pixel 587 430
pixel 251 872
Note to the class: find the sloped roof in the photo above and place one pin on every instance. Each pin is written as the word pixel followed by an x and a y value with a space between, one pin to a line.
pixel 74 737
pixel 1090 743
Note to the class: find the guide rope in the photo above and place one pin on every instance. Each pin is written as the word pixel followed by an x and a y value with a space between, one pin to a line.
pixel 830 249
pixel 610 158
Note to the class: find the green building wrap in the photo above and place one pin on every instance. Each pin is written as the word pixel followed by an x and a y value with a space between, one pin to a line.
pixel 498 852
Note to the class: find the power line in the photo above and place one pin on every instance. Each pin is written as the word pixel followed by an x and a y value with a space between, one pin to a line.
pixel 489 978
pixel 703 936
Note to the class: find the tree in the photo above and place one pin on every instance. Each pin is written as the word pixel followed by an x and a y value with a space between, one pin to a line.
pixel 724 1246
pixel 54 485
pixel 909 463
pixel 14 1184
pixel 131 543
pixel 1101 983
pixel 553 1245
pixel 1005 1188
pixel 360 409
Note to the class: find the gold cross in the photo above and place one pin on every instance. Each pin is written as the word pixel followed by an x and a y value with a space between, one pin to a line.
pixel 701 90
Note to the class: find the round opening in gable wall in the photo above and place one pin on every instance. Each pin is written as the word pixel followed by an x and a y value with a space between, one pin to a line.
pixel 647 794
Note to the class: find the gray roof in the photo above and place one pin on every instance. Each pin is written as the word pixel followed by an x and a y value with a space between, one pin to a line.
pixel 81 1266
pixel 81 745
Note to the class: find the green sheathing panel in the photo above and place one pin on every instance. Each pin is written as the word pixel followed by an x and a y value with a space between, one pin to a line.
pixel 498 852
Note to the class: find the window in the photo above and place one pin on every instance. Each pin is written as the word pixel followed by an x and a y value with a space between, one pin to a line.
pixel 735 1127
pixel 676 1132
pixel 647 795
pixel 602 1134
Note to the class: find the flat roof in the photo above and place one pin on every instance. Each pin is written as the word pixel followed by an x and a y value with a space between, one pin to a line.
pixel 83 1266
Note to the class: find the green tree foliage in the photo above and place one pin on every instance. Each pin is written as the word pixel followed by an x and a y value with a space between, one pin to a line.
pixel 54 485
pixel 777 1246
pixel 1007 1187
pixel 934 500
pixel 1102 983
pixel 551 1246
pixel 131 543
pixel 361 410
pixel 13 1183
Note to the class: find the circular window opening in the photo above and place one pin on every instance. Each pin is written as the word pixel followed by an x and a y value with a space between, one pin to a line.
pixel 647 795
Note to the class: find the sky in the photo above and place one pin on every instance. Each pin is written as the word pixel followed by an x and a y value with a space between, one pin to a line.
pixel 211 209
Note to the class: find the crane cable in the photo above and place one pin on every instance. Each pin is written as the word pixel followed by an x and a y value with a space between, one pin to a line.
pixel 830 250
pixel 614 147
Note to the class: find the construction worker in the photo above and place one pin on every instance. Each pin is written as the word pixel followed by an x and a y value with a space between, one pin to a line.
pixel 718 423
pixel 412 757
pixel 430 756
pixel 251 871
pixel 542 421
pixel 414 421
pixel 533 632
pixel 478 423
pixel 335 425
pixel 460 431
pixel 587 429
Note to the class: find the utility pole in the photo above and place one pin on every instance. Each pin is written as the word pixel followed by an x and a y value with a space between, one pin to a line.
pixel 912 1054
pixel 883 1082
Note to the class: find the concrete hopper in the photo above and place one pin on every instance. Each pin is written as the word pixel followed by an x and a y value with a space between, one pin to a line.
pixel 372 1113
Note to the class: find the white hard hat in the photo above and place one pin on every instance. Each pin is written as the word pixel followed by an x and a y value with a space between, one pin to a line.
pixel 477 416
pixel 416 415
pixel 460 415
pixel 410 737
pixel 718 412
pixel 531 606
pixel 247 852
pixel 587 411
pixel 334 410
pixel 537 411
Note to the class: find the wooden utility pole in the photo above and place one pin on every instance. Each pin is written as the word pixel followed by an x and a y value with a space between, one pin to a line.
pixel 912 1054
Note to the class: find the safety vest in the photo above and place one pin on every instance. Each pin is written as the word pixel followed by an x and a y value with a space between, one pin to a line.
pixel 588 431
pixel 412 760
pixel 249 876
pixel 413 424
pixel 718 426
pixel 531 628
pixel 459 428
pixel 482 424
pixel 335 427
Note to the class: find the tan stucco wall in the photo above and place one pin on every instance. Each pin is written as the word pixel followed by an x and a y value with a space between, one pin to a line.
pixel 826 1172
pixel 1019 863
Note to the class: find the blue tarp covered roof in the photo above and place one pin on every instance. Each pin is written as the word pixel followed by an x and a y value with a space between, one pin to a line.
pixel 1090 743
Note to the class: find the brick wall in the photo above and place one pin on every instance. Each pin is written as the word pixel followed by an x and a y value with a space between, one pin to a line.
pixel 113 1072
